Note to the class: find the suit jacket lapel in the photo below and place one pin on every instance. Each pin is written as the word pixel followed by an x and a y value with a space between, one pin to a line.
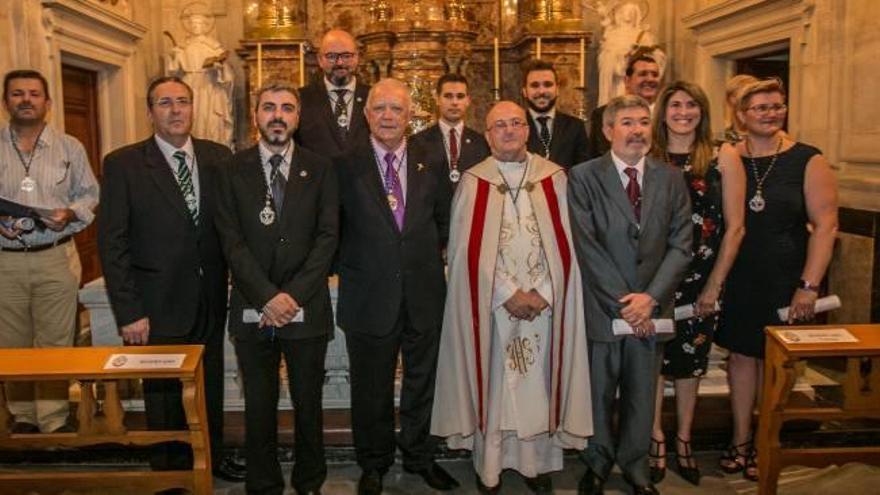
pixel 164 178
pixel 437 144
pixel 614 189
pixel 557 137
pixel 649 193
pixel 300 174
pixel 534 144
pixel 327 113
pixel 357 111
pixel 415 172
pixel 369 174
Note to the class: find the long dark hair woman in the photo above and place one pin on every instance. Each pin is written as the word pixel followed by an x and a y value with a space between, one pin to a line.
pixel 716 181
pixel 791 223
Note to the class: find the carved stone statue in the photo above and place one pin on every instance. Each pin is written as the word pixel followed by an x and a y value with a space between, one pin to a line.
pixel 201 62
pixel 625 31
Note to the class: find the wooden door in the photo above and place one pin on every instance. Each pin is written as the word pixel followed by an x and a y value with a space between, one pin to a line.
pixel 80 89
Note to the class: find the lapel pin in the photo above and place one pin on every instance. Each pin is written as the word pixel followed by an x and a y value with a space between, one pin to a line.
pixel 467 140
pixel 303 174
pixel 359 99
pixel 420 167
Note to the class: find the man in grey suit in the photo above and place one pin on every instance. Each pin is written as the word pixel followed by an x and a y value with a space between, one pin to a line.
pixel 631 225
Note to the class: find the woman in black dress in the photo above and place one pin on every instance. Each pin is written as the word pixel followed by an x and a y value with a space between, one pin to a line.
pixel 716 181
pixel 781 261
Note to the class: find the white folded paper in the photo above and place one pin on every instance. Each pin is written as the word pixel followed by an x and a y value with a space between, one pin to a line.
pixel 662 325
pixel 823 304
pixel 686 312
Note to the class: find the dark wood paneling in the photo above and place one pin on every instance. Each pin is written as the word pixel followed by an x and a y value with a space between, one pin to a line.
pixel 80 88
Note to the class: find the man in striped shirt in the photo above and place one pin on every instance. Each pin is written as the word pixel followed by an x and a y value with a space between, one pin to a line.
pixel 43 168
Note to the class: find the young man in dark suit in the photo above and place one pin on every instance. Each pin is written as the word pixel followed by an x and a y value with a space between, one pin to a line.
pixel 332 114
pixel 631 225
pixel 461 146
pixel 557 136
pixel 642 79
pixel 395 221
pixel 164 268
pixel 279 222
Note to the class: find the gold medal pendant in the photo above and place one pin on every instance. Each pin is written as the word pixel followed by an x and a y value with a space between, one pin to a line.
pixel 392 202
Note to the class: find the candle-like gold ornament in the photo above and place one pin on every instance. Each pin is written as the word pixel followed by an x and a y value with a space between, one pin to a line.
pixel 302 64
pixel 583 59
pixel 538 48
pixel 497 66
pixel 259 65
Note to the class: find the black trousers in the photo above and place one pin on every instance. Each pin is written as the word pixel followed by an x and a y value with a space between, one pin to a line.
pixel 372 363
pixel 163 401
pixel 259 360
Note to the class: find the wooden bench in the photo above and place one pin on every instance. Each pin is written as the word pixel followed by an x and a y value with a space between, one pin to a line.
pixel 103 423
pixel 861 390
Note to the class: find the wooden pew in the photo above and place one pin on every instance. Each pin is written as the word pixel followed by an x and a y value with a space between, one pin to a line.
pixel 103 423
pixel 861 391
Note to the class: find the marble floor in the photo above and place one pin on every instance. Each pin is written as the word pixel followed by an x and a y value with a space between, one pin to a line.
pixel 850 479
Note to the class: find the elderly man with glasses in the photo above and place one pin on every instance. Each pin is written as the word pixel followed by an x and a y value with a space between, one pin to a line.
pixel 513 383
pixel 332 114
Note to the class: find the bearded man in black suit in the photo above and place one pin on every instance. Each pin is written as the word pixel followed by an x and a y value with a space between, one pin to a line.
pixel 332 115
pixel 279 222
pixel 554 135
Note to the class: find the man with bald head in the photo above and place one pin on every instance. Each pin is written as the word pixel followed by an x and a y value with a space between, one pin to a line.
pixel 332 114
pixel 395 201
pixel 513 384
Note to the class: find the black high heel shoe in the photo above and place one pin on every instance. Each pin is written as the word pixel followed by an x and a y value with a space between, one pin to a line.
pixel 658 472
pixel 687 469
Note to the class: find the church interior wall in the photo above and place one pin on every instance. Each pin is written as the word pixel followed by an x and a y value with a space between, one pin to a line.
pixel 835 84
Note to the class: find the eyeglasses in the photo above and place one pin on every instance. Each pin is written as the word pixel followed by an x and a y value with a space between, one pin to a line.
pixel 765 109
pixel 502 125
pixel 344 56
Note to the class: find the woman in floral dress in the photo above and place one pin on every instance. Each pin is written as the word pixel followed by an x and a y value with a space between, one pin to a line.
pixel 716 180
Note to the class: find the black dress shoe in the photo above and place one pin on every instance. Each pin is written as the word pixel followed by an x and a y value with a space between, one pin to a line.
pixel 229 470
pixel 591 484
pixel 370 483
pixel 648 489
pixel 541 484
pixel 22 427
pixel 435 476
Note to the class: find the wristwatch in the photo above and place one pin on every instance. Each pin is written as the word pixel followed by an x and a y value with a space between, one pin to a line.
pixel 804 285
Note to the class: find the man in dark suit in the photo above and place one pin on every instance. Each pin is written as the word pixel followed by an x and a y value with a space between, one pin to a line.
pixel 642 79
pixel 332 115
pixel 461 146
pixel 631 224
pixel 557 136
pixel 278 219
pixel 395 220
pixel 164 269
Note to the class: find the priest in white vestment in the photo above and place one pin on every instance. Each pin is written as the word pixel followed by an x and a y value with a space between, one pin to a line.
pixel 513 380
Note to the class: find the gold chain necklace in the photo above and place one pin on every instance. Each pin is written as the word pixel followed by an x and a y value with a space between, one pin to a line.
pixel 757 203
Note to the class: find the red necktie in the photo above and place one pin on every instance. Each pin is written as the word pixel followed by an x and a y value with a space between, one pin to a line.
pixel 453 149
pixel 633 191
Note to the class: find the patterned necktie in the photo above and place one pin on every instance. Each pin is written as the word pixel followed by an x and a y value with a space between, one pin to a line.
pixel 279 183
pixel 544 134
pixel 185 181
pixel 340 112
pixel 394 190
pixel 453 149
pixel 633 191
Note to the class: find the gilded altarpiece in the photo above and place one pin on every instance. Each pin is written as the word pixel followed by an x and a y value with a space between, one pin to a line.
pixel 419 40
